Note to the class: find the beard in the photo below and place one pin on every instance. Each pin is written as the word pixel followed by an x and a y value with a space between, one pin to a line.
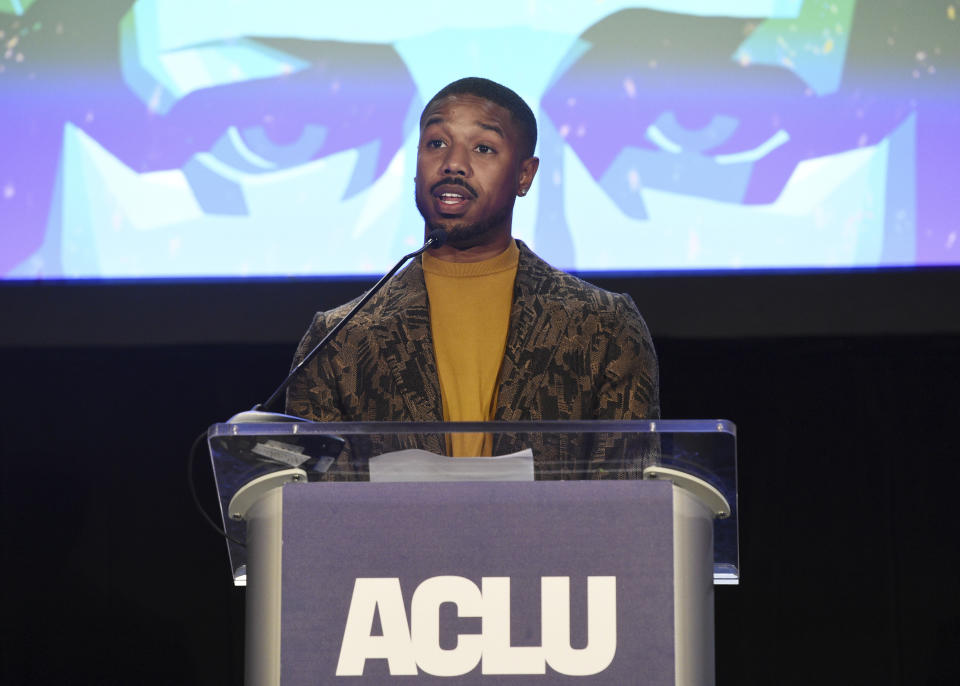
pixel 463 236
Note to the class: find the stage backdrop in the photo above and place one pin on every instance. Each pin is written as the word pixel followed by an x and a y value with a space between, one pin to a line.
pixel 175 138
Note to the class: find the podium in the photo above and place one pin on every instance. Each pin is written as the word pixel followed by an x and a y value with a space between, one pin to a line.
pixel 369 558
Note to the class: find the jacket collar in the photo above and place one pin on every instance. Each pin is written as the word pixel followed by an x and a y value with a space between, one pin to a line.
pixel 522 370
pixel 407 345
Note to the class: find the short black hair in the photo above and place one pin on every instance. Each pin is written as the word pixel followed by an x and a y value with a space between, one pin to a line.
pixel 499 95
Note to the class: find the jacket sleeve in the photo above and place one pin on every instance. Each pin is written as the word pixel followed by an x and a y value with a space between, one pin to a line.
pixel 629 382
pixel 313 394
pixel 629 388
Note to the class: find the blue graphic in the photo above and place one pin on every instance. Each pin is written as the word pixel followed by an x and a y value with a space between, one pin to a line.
pixel 219 138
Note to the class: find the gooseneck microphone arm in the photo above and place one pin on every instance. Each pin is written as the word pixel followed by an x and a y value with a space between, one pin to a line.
pixel 435 239
pixel 328 446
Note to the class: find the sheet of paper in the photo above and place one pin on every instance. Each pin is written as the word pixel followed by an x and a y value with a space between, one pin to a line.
pixel 422 465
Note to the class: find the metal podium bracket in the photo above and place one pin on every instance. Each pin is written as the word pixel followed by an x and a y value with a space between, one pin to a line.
pixel 252 491
pixel 706 492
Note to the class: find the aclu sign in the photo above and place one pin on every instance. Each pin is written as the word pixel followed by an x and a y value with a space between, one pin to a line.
pixel 407 647
pixel 478 584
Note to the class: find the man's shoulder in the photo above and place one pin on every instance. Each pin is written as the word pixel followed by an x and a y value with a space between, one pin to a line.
pixel 541 280
pixel 335 314
pixel 404 291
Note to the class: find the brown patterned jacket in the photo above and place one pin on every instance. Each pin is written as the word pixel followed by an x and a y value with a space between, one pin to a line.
pixel 574 351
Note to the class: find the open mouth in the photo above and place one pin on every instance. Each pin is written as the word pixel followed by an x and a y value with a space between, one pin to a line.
pixel 452 198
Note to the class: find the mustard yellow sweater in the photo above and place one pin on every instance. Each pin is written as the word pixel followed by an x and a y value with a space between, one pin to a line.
pixel 469 317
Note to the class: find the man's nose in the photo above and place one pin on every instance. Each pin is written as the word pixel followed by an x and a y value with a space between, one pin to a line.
pixel 456 162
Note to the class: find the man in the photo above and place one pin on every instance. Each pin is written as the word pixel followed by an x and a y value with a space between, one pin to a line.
pixel 481 328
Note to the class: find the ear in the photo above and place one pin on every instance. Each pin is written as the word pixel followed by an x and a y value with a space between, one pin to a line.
pixel 528 170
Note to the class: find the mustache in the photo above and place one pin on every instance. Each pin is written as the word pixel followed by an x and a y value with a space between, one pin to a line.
pixel 453 181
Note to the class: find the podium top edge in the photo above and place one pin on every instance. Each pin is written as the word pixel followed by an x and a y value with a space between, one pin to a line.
pixel 650 426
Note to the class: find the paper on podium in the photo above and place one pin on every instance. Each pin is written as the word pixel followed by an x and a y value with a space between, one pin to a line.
pixel 422 465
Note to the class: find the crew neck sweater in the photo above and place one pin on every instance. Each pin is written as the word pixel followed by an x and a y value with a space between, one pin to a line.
pixel 470 306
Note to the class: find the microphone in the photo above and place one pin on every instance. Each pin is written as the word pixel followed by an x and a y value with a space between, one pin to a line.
pixel 261 412
pixel 435 239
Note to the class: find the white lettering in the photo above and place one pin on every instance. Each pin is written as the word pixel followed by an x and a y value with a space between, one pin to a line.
pixel 405 648
pixel 425 625
pixel 358 646
pixel 499 657
pixel 601 625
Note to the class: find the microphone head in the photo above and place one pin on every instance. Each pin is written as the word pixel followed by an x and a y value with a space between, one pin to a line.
pixel 436 238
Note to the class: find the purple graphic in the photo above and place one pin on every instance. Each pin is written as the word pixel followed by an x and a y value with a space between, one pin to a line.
pixel 167 139
pixel 694 114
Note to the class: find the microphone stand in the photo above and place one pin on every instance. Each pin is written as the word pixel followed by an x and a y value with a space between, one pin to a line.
pixel 261 411
pixel 326 448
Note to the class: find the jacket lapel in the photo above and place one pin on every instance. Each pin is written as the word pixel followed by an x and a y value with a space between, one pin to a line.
pixel 529 345
pixel 407 346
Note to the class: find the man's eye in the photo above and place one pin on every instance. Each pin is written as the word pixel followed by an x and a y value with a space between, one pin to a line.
pixel 485 149
pixel 435 143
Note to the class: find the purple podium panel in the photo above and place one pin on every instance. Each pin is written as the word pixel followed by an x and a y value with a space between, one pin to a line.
pixel 478 583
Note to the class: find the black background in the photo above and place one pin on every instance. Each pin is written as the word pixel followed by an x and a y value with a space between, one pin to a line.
pixel 847 428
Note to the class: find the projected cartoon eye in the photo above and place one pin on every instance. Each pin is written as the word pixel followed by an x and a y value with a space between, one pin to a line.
pixel 669 136
pixel 670 102
pixel 252 148
pixel 333 97
pixel 657 103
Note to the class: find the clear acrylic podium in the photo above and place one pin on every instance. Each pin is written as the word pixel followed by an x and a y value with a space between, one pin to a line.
pixel 595 558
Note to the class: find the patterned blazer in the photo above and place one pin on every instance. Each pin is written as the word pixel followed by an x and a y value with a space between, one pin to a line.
pixel 574 351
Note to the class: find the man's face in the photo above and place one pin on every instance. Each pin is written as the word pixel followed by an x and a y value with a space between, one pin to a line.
pixel 470 169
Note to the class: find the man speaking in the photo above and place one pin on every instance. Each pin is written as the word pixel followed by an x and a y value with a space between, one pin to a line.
pixel 480 328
